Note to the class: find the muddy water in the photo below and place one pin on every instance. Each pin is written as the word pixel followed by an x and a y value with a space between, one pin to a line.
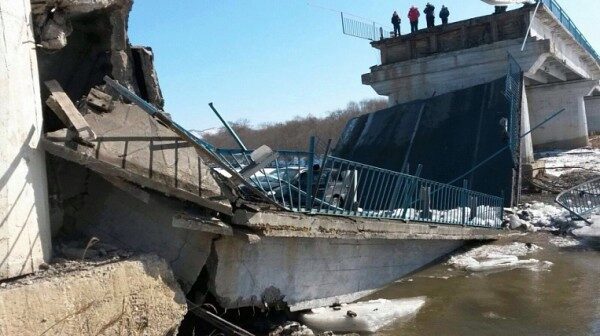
pixel 564 300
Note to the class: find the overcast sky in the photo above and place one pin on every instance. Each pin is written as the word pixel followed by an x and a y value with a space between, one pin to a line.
pixel 271 60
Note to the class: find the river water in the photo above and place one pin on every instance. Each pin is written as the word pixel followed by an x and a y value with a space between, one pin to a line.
pixel 561 300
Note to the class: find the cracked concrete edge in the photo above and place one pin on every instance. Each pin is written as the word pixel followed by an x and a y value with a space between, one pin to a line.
pixel 272 224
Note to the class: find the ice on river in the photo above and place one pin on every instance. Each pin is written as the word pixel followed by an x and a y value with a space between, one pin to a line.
pixel 490 258
pixel 589 231
pixel 362 317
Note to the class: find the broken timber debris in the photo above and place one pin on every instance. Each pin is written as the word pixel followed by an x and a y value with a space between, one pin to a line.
pixel 60 104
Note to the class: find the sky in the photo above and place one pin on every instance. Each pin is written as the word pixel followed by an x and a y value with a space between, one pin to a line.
pixel 271 60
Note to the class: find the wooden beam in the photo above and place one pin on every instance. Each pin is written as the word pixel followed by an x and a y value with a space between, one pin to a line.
pixel 66 111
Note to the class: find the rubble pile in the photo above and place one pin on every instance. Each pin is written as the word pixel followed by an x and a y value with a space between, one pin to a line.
pixel 137 296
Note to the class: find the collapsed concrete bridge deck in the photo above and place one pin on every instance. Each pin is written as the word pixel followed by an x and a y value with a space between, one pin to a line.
pixel 115 173
pixel 240 248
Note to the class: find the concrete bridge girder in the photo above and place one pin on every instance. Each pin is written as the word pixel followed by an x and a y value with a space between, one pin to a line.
pixel 443 73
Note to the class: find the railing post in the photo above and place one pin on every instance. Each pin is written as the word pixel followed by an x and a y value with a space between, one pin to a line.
pixel 374 31
pixel 463 202
pixel 310 174
pixel 407 200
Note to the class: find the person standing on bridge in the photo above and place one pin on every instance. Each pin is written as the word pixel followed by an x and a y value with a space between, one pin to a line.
pixel 429 15
pixel 444 14
pixel 396 22
pixel 413 17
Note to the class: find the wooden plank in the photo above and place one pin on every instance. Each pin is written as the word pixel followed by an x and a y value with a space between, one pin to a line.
pixel 103 168
pixel 64 108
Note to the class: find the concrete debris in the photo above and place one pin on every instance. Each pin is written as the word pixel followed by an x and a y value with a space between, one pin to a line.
pixel 144 60
pixel 133 297
pixel 54 28
pixel 99 100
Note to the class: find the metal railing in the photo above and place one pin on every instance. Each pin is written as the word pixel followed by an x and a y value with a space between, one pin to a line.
pixel 513 92
pixel 323 184
pixel 582 200
pixel 566 21
pixel 366 30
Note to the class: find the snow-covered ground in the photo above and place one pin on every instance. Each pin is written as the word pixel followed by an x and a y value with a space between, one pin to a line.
pixel 585 158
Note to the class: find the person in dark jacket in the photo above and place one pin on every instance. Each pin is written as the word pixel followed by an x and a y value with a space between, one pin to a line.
pixel 500 9
pixel 429 15
pixel 396 22
pixel 413 17
pixel 444 14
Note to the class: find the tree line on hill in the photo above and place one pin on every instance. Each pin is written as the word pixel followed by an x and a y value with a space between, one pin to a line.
pixel 294 134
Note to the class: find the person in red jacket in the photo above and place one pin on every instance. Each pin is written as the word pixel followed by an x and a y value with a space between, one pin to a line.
pixel 413 17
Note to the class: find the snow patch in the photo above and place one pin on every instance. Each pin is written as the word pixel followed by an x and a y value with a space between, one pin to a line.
pixel 362 317
pixel 546 215
pixel 584 158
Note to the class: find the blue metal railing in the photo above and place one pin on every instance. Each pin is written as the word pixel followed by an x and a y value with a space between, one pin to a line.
pixel 582 200
pixel 566 21
pixel 366 30
pixel 303 182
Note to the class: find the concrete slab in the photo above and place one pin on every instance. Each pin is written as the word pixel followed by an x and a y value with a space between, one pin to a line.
pixel 115 217
pixel 306 273
pixel 282 224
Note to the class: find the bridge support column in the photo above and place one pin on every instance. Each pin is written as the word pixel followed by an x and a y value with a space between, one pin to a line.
pixel 592 110
pixel 24 220
pixel 568 130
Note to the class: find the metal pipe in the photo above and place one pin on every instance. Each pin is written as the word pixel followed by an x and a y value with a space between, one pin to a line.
pixel 229 129
pixel 530 24
pixel 414 134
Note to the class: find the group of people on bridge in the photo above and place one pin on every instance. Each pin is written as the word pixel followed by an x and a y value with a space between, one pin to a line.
pixel 414 14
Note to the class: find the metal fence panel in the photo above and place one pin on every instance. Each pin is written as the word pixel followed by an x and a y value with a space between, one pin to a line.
pixel 310 183
pixel 582 200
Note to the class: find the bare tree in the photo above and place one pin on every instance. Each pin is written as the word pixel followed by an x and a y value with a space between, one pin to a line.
pixel 294 134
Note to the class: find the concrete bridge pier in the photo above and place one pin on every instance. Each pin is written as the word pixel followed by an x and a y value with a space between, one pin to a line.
pixel 592 110
pixel 569 129
pixel 24 220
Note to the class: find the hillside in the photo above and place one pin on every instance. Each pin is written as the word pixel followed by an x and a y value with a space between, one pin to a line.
pixel 292 134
